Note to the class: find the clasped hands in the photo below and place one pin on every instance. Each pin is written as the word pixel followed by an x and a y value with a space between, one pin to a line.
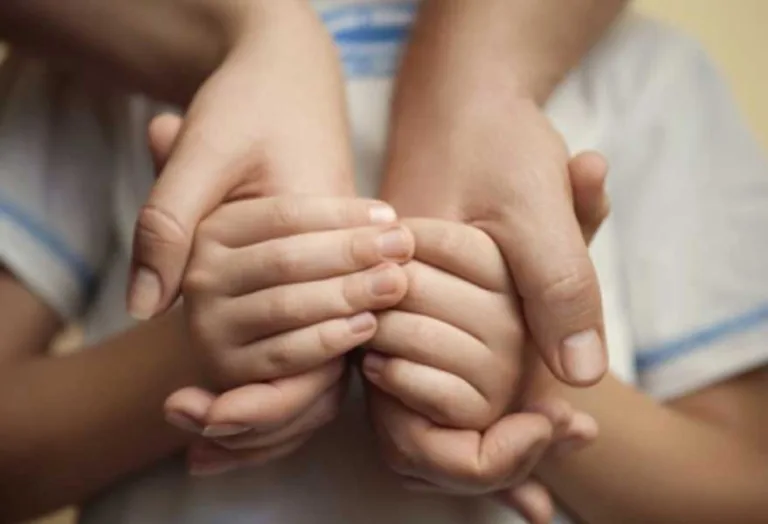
pixel 280 290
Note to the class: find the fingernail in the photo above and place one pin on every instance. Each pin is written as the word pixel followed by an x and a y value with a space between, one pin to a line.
pixel 394 244
pixel 382 282
pixel 582 357
pixel 361 323
pixel 209 469
pixel 224 430
pixel 382 214
pixel 373 364
pixel 146 291
pixel 183 422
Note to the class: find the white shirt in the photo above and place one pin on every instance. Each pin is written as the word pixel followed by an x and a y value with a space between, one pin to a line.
pixel 681 261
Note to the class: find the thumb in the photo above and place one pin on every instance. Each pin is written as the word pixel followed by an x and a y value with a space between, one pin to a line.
pixel 202 170
pixel 587 172
pixel 162 134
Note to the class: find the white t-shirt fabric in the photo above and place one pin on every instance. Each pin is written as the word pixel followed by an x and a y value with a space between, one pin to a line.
pixel 681 261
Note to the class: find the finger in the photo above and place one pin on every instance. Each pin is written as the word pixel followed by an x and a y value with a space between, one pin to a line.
pixel 187 407
pixel 492 317
pixel 444 398
pixel 208 459
pixel 323 411
pixel 183 194
pixel 251 221
pixel 542 243
pixel 531 500
pixel 559 412
pixel 588 172
pixel 439 242
pixel 269 406
pixel 162 133
pixel 582 431
pixel 464 460
pixel 313 256
pixel 283 308
pixel 433 343
pixel 298 351
pixel 219 154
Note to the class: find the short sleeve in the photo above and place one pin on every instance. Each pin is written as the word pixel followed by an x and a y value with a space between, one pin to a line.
pixel 55 172
pixel 690 190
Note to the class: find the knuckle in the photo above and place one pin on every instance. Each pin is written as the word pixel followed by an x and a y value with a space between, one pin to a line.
pixel 284 262
pixel 348 212
pixel 286 213
pixel 353 295
pixel 475 417
pixel 420 334
pixel 282 307
pixel 356 252
pixel 201 277
pixel 328 341
pixel 209 229
pixel 159 228
pixel 481 476
pixel 278 360
pixel 452 241
pixel 417 290
pixel 197 280
pixel 572 287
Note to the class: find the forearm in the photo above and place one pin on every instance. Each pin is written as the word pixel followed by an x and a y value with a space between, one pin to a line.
pixel 523 47
pixel 164 47
pixel 74 424
pixel 655 464
pixel 473 71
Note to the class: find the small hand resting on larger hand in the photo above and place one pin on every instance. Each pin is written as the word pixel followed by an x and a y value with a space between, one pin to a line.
pixel 448 366
pixel 277 291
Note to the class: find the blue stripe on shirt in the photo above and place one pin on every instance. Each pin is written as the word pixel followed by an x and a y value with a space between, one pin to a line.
pixel 370 36
pixel 51 241
pixel 654 356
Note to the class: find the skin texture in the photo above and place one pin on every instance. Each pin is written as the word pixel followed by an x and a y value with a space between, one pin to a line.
pixel 467 62
pixel 701 458
pixel 60 442
pixel 240 432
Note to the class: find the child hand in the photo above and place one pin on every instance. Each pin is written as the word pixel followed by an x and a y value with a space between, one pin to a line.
pixel 448 361
pixel 270 121
pixel 276 292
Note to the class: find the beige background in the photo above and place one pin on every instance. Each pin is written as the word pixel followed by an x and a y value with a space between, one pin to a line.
pixel 734 32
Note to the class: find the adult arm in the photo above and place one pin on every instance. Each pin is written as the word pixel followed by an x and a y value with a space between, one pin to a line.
pixel 167 48
pixel 263 89
pixel 468 129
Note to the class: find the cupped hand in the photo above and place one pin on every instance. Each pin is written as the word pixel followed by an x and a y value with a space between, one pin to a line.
pixel 508 174
pixel 440 364
pixel 269 121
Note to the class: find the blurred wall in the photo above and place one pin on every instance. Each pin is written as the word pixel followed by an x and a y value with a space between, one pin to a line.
pixel 736 34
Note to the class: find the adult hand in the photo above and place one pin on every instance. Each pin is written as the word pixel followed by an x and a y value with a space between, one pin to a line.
pixel 418 427
pixel 508 175
pixel 468 133
pixel 270 120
